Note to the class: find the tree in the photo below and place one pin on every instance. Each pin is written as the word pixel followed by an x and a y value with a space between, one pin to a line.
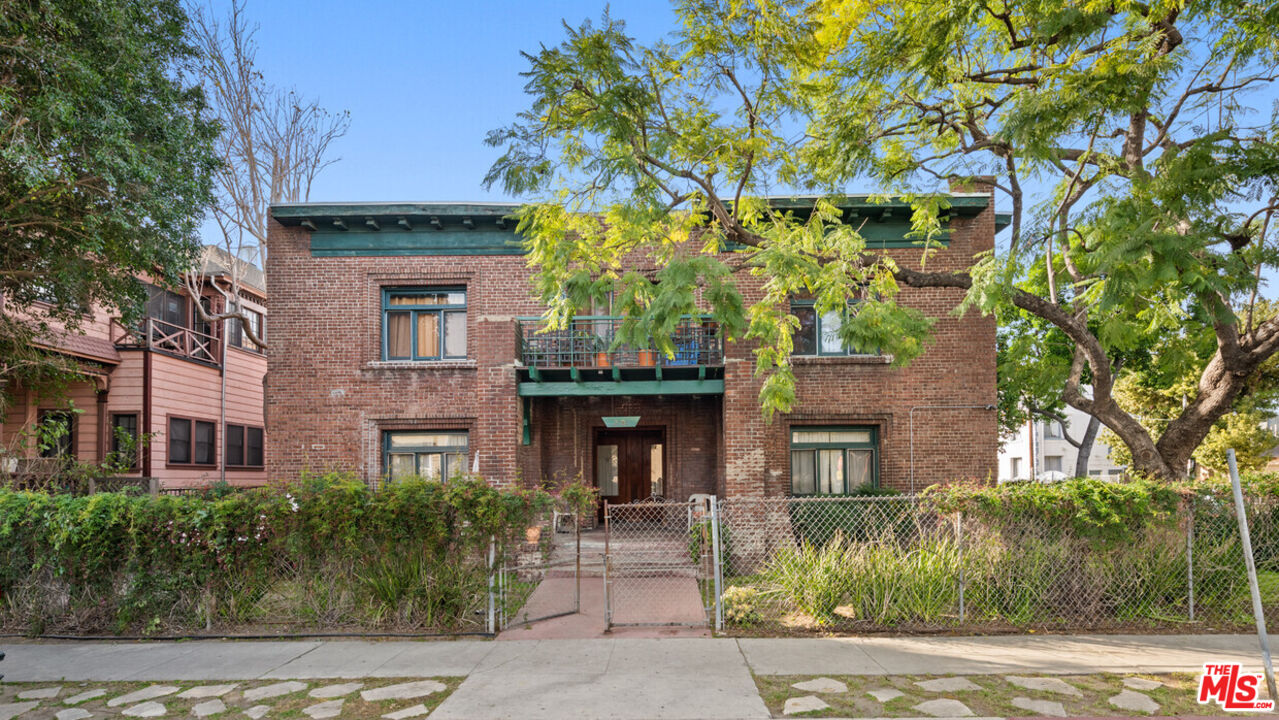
pixel 106 158
pixel 272 146
pixel 1125 136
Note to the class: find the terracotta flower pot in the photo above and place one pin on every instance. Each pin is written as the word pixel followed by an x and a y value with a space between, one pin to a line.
pixel 602 359
pixel 647 358
pixel 533 534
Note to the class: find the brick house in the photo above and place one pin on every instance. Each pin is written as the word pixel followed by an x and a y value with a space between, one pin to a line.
pixel 195 389
pixel 405 339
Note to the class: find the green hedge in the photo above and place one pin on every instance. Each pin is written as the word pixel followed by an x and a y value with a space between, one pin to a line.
pixel 323 552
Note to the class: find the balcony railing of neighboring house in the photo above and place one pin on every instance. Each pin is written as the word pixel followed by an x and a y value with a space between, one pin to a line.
pixel 167 337
pixel 590 342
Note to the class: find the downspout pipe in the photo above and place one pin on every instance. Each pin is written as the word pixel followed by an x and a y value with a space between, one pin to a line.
pixel 912 429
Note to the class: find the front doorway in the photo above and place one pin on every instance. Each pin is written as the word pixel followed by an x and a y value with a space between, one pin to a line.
pixel 630 465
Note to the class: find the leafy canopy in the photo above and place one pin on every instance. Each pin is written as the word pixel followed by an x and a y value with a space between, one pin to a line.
pixel 104 166
pixel 1134 141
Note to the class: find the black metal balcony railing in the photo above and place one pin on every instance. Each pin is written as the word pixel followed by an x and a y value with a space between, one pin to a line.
pixel 160 335
pixel 590 342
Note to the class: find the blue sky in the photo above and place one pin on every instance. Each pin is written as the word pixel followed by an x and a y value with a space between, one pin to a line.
pixel 423 81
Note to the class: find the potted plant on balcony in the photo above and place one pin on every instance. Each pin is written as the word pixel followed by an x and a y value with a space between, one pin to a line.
pixel 647 357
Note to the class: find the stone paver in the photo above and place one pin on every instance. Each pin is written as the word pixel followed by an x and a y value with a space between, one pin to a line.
pixel 73 714
pixel 807 703
pixel 885 694
pixel 944 707
pixel 85 696
pixel 8 711
pixel 1136 683
pixel 1043 684
pixel 257 711
pixel 43 693
pixel 403 691
pixel 821 685
pixel 408 712
pixel 273 690
pixel 150 692
pixel 1051 708
pixel 335 691
pixel 147 709
pixel 200 692
pixel 329 709
pixel 950 684
pixel 209 707
pixel 1134 701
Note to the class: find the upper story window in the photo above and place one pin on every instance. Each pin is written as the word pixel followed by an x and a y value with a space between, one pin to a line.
pixel 236 335
pixel 818 333
pixel 423 323
pixel 1052 429
pixel 166 306
pixel 832 460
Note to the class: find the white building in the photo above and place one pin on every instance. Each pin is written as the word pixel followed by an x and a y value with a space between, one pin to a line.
pixel 1041 450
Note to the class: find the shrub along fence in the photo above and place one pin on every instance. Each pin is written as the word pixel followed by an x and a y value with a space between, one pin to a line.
pixel 319 555
pixel 1080 555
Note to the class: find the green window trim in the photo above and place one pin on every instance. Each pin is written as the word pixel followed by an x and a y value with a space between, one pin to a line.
pixel 810 455
pixel 448 317
pixel 437 454
pixel 818 349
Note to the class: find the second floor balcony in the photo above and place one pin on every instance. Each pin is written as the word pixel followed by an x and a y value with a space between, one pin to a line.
pixel 586 358
pixel 169 338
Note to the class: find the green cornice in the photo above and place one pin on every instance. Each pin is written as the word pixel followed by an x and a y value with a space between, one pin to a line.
pixel 447 228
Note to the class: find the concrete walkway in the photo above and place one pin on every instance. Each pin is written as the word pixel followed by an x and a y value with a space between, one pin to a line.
pixel 619 678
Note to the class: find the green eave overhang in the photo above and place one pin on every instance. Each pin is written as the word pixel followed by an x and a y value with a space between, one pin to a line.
pixel 461 228
pixel 629 387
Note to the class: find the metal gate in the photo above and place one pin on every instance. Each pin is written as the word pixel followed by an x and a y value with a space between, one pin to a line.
pixel 658 563
pixel 530 585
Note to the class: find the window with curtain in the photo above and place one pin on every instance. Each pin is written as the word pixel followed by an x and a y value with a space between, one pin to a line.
pixel 818 333
pixel 833 460
pixel 423 323
pixel 433 455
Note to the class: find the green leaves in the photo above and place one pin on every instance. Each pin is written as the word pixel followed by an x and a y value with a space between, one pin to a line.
pixel 106 160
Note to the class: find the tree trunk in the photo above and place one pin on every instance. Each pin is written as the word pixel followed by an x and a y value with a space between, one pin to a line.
pixel 1085 447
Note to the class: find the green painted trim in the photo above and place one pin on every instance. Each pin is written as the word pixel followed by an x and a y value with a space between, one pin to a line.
pixel 429 242
pixel 636 387
pixel 300 211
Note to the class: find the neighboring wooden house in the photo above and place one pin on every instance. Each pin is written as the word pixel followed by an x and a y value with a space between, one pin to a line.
pixel 195 389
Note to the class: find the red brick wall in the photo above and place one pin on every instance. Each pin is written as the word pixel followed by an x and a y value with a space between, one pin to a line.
pixel 329 396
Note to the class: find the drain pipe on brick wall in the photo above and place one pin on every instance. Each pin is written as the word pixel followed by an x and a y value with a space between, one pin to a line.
pixel 912 430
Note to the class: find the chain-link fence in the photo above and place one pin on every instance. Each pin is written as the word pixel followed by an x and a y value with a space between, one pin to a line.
pixel 800 565
pixel 658 561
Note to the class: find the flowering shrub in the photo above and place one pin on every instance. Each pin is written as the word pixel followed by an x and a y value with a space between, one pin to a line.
pixel 292 554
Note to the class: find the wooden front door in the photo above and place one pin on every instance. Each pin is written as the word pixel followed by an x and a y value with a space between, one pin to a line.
pixel 630 465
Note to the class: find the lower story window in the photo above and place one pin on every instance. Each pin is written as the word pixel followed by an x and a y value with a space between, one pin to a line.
pixel 243 446
pixel 431 455
pixel 192 442
pixel 124 439
pixel 833 460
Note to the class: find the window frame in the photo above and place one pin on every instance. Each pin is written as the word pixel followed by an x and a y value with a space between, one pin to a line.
pixel 114 442
pixel 439 310
pixel 67 447
pixel 244 430
pixel 817 330
pixel 191 442
pixel 444 451
pixel 872 446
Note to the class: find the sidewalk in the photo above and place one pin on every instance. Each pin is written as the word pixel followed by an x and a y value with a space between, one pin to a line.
pixel 622 678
